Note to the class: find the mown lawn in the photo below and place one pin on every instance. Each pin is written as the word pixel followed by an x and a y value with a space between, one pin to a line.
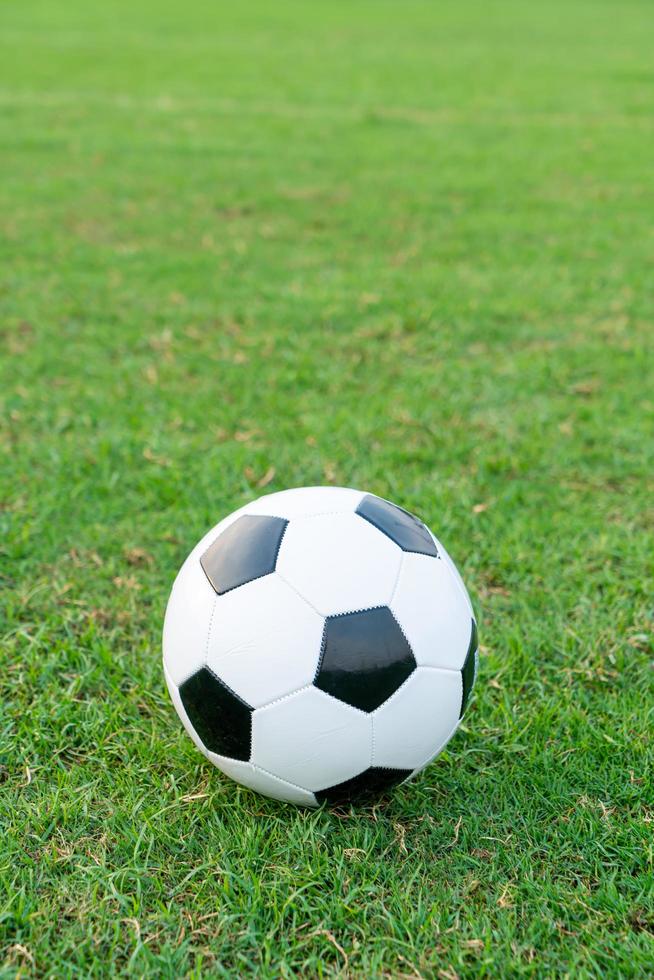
pixel 404 247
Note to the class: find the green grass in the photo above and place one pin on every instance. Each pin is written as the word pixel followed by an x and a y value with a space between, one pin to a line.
pixel 405 247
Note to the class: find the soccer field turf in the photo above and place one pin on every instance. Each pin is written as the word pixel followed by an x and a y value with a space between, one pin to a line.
pixel 403 247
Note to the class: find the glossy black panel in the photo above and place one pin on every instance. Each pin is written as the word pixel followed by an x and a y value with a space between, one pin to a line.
pixel 469 668
pixel 247 550
pixel 365 657
pixel 372 782
pixel 221 719
pixel 397 524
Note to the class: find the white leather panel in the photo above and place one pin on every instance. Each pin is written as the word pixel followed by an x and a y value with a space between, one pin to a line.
pixel 421 716
pixel 311 740
pixel 264 641
pixel 339 563
pixel 433 612
pixel 307 502
pixel 263 782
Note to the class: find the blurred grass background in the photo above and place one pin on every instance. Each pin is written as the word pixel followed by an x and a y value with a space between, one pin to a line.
pixel 401 247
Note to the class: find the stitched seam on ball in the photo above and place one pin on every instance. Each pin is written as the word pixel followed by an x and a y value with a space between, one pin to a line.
pixel 284 697
pixel 394 694
pixel 444 670
pixel 372 739
pixel 281 779
pixel 410 551
pixel 240 585
pixel 401 628
pixel 432 756
pixel 397 581
pixel 212 756
pixel 209 628
pixel 220 681
pixel 279 543
pixel 346 704
pixel 234 694
pixel 298 593
pixel 353 612
pixel 381 530
pixel 324 513
pixel 323 646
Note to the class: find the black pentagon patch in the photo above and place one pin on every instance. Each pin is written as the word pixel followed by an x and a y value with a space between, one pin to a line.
pixel 373 782
pixel 398 525
pixel 365 657
pixel 221 719
pixel 469 668
pixel 248 549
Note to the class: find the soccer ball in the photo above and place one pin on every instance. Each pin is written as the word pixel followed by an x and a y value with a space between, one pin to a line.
pixel 320 645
